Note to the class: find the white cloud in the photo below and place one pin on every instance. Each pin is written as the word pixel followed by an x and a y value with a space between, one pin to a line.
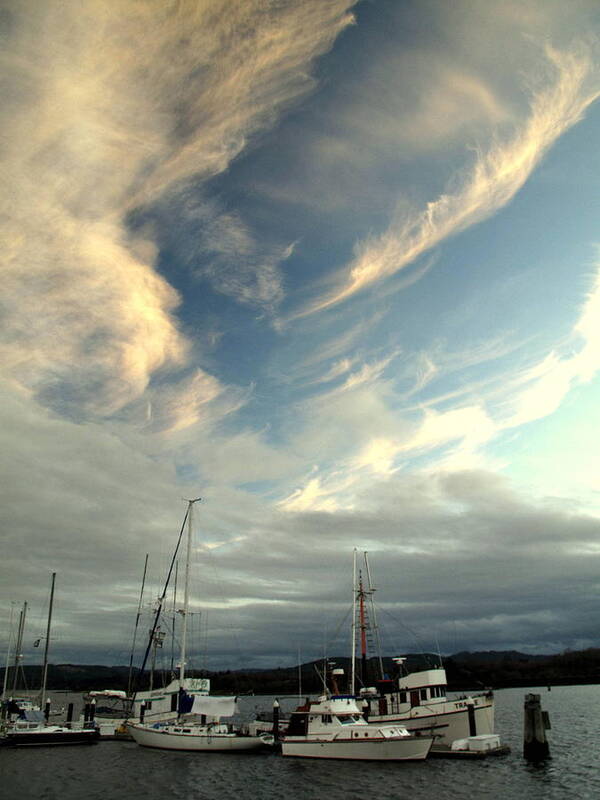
pixel 109 108
pixel 494 179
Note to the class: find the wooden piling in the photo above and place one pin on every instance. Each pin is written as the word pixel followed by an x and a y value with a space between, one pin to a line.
pixel 471 716
pixel 276 720
pixel 536 723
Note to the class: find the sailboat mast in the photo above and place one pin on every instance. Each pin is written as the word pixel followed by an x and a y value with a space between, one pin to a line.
pixel 47 645
pixel 186 589
pixel 19 647
pixel 137 622
pixel 10 635
pixel 353 651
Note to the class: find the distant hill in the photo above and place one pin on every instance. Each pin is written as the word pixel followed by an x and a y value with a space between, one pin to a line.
pixel 465 671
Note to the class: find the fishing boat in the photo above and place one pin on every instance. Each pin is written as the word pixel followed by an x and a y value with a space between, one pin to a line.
pixel 199 725
pixel 27 726
pixel 416 699
pixel 333 727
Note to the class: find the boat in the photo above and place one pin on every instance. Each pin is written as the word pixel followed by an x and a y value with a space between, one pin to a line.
pixel 334 727
pixel 32 729
pixel 112 709
pixel 199 725
pixel 419 701
pixel 416 699
pixel 27 726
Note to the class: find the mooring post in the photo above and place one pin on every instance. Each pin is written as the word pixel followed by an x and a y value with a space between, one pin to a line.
pixel 536 723
pixel 142 712
pixel 471 716
pixel 276 720
pixel 47 710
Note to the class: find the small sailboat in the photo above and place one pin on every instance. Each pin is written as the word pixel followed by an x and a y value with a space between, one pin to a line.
pixel 30 728
pixel 199 725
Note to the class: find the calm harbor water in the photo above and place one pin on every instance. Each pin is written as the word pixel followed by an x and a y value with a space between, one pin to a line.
pixel 123 769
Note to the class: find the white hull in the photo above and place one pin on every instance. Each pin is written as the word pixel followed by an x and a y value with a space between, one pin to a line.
pixel 413 749
pixel 449 720
pixel 166 739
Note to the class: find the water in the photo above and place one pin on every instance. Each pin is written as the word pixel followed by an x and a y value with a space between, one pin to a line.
pixel 125 770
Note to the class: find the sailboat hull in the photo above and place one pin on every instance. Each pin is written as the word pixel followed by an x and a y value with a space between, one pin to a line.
pixel 164 738
pixel 50 736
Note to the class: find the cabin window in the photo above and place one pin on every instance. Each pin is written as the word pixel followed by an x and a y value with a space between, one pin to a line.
pixel 403 698
pixel 148 705
pixel 326 718
pixel 297 725
pixel 423 694
pixel 173 702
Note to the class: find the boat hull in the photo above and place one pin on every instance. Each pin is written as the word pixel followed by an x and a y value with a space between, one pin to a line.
pixel 413 749
pixel 448 720
pixel 220 742
pixel 50 738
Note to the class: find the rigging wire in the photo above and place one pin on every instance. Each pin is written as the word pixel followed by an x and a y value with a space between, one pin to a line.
pixel 160 602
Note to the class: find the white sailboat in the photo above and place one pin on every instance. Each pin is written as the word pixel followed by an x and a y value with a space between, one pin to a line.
pixel 208 733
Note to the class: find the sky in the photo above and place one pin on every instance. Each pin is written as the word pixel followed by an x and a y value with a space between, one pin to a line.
pixel 332 267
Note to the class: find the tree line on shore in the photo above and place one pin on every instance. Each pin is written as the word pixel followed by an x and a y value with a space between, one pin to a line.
pixel 465 672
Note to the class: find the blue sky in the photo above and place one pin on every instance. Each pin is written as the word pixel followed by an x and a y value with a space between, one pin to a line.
pixel 332 266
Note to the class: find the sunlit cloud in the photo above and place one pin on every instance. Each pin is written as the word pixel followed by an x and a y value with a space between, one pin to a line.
pixel 540 389
pixel 109 109
pixel 491 183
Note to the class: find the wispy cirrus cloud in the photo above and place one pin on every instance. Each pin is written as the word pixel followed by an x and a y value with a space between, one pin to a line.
pixel 108 109
pixel 448 432
pixel 491 183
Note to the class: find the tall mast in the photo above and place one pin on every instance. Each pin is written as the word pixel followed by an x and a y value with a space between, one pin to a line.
pixel 174 620
pixel 363 630
pixel 353 651
pixel 186 594
pixel 10 635
pixel 374 616
pixel 19 646
pixel 45 667
pixel 137 622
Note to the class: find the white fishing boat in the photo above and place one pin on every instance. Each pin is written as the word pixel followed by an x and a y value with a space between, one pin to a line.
pixel 334 727
pixel 418 700
pixel 199 725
